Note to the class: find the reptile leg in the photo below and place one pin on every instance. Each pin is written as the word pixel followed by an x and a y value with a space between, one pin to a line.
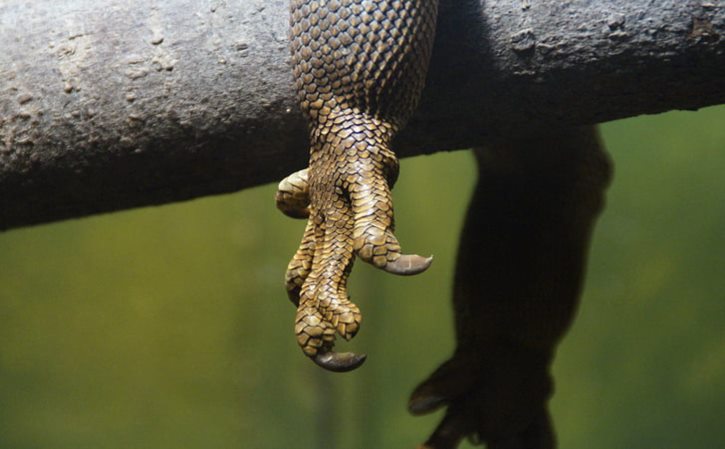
pixel 359 219
pixel 359 67
pixel 518 279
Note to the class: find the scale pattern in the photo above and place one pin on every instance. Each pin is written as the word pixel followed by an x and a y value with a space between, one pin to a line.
pixel 359 67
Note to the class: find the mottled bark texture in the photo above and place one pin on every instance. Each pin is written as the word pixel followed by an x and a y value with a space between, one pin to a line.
pixel 110 104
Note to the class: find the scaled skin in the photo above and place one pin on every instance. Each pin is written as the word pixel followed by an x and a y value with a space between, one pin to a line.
pixel 359 67
pixel 519 275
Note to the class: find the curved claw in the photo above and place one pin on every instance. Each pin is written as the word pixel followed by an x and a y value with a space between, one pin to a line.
pixel 408 264
pixel 453 379
pixel 339 362
pixel 424 404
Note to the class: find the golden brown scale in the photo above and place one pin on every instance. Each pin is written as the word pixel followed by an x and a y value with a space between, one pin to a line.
pixel 359 67
pixel 518 279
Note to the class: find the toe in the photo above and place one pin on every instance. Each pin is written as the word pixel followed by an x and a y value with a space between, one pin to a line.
pixel 300 266
pixel 452 379
pixel 292 196
pixel 374 241
pixel 325 308
pixel 334 258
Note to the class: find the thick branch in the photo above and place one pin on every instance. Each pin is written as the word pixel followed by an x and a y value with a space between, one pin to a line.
pixel 110 104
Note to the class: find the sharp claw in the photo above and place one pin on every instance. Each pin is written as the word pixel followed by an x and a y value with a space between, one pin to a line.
pixel 425 404
pixel 408 264
pixel 339 362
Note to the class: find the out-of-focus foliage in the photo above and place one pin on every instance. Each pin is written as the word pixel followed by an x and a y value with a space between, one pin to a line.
pixel 169 327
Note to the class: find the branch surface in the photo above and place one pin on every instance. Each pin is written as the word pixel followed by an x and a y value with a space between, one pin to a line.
pixel 110 104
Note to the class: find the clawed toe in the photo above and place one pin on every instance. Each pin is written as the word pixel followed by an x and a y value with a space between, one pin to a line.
pixel 292 196
pixel 499 401
pixel 452 379
pixel 376 244
pixel 408 264
pixel 316 337
pixel 339 362
pixel 322 314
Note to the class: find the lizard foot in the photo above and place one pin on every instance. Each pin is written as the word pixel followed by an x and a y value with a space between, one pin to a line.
pixel 323 308
pixel 499 402
pixel 345 194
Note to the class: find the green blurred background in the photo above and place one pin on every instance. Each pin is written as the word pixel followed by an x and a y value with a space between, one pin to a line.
pixel 169 327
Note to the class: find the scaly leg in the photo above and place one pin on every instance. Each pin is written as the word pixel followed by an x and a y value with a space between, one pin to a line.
pixel 518 279
pixel 359 67
pixel 359 220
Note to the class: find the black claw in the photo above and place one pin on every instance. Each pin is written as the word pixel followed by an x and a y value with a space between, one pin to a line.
pixel 409 264
pixel 424 404
pixel 339 362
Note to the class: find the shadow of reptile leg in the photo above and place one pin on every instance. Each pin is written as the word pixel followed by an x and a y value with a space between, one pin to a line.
pixel 518 279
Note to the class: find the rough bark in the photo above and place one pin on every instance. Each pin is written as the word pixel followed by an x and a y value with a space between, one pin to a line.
pixel 110 104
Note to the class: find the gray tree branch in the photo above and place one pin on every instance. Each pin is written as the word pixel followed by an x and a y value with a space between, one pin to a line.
pixel 112 104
